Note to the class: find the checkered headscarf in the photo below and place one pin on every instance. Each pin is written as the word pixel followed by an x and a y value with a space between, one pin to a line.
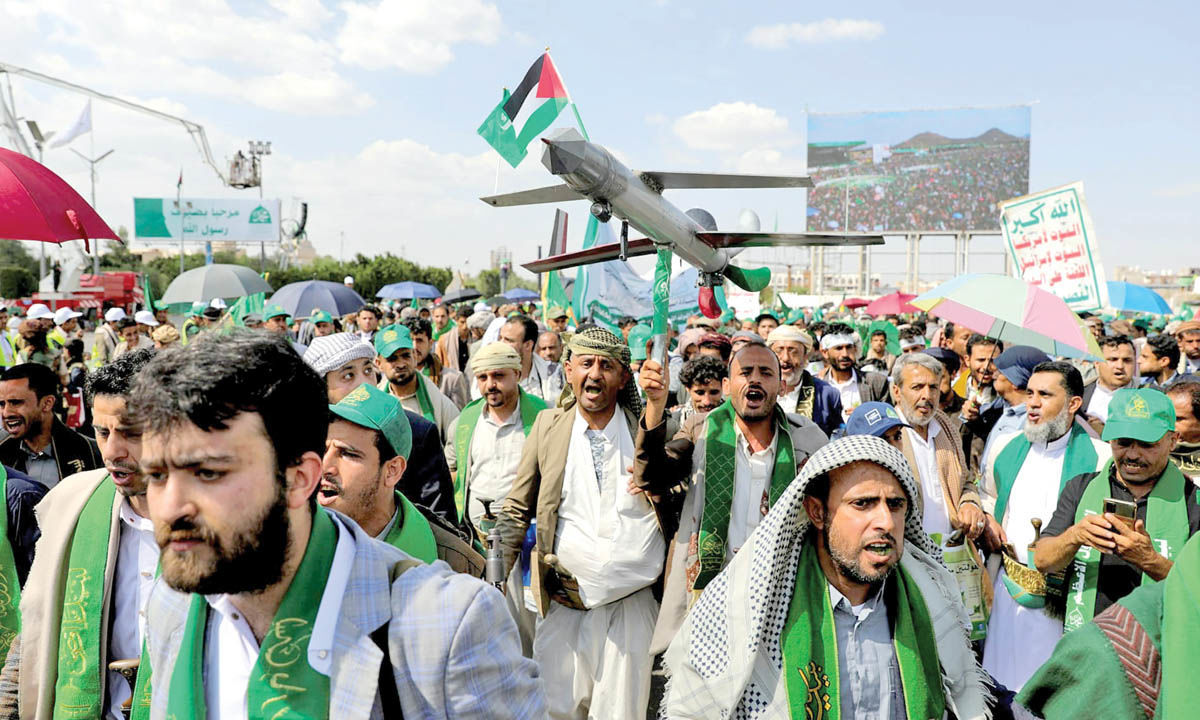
pixel 598 341
pixel 727 658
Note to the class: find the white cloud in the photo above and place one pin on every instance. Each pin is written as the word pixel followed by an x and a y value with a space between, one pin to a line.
pixel 415 36
pixel 779 36
pixel 733 126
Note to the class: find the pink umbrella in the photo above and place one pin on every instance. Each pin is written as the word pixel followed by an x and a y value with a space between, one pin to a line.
pixel 893 304
pixel 854 303
pixel 36 204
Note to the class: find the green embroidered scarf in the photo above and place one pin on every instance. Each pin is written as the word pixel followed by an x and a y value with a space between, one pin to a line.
pixel 720 458
pixel 78 690
pixel 411 533
pixel 282 684
pixel 1166 522
pixel 528 405
pixel 10 588
pixel 1080 458
pixel 1181 615
pixel 810 651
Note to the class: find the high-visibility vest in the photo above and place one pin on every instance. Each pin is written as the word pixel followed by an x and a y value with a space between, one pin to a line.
pixel 8 354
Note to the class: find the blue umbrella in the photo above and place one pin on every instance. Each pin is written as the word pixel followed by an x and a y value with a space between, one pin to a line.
pixel 520 294
pixel 301 298
pixel 408 290
pixel 1135 298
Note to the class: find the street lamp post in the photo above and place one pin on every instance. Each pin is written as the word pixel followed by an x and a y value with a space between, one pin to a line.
pixel 258 150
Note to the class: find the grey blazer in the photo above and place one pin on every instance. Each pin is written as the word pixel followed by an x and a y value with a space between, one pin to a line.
pixel 454 648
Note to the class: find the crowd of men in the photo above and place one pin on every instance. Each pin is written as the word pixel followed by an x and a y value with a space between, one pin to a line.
pixel 481 512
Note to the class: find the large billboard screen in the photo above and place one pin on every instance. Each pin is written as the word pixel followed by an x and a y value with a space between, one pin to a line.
pixel 916 171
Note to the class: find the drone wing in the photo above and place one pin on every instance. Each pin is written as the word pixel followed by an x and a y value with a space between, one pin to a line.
pixel 773 239
pixel 715 181
pixel 551 194
pixel 594 254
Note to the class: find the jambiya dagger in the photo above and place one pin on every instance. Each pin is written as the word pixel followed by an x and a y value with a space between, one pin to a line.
pixel 590 172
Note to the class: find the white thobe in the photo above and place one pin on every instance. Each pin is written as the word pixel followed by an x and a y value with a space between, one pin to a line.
pixel 851 397
pixel 231 650
pixel 137 561
pixel 751 487
pixel 1020 639
pixel 596 662
pixel 495 453
pixel 935 516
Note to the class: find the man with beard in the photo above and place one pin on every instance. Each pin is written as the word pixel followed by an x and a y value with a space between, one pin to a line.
pixel 346 362
pixel 1030 469
pixel 397 362
pixel 538 377
pixel 802 393
pixel 749 451
pixel 982 407
pixel 366 455
pixel 271 606
pixel 839 345
pixel 1116 372
pixel 1185 396
pixel 454 346
pixel 1107 556
pixel 451 382
pixel 1157 362
pixel 838 607
pixel 483 456
pixel 599 549
pixel 1013 368
pixel 92 573
pixel 1188 337
pixel 35 441
pixel 949 497
pixel 911 340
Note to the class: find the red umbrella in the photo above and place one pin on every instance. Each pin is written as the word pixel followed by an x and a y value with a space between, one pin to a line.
pixel 893 304
pixel 36 204
pixel 852 303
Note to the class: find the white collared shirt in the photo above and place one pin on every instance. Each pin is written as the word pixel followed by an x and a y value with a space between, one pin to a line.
pixel 608 539
pixel 935 518
pixel 492 465
pixel 231 650
pixel 137 562
pixel 751 487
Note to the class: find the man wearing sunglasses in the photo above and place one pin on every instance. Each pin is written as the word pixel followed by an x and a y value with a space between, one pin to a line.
pixel 1106 553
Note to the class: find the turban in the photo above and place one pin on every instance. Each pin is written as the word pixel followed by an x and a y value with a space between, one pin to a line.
pixel 598 341
pixel 165 334
pixel 480 320
pixel 495 356
pixel 1188 326
pixel 687 338
pixel 328 353
pixel 790 333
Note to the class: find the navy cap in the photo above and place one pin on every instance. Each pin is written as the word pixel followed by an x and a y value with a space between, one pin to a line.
pixel 1016 363
pixel 946 357
pixel 873 418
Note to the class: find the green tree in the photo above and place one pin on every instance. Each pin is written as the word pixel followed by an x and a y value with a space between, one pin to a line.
pixel 14 253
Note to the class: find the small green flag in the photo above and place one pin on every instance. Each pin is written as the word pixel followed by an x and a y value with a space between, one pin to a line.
pixel 499 132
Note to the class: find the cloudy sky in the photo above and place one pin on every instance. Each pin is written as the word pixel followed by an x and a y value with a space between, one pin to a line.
pixel 372 106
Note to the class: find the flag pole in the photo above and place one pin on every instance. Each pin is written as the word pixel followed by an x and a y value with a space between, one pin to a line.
pixel 179 206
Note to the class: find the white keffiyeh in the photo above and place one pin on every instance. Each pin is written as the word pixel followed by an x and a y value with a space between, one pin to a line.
pixel 727 659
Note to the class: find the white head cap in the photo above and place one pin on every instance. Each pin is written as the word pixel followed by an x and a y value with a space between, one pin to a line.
pixel 348 280
pixel 14 322
pixel 218 303
pixel 145 317
pixel 64 314
pixel 114 314
pixel 482 307
pixel 39 311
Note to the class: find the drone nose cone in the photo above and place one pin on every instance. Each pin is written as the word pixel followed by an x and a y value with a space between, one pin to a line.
pixel 562 158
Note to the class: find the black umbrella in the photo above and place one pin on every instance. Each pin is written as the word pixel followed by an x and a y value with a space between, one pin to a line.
pixel 463 295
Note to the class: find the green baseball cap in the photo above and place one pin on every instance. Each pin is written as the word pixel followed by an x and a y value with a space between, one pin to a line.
pixel 370 407
pixel 555 312
pixel 320 316
pixel 275 311
pixel 392 338
pixel 638 335
pixel 1142 414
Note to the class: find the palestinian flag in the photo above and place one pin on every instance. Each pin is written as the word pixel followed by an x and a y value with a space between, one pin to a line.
pixel 518 120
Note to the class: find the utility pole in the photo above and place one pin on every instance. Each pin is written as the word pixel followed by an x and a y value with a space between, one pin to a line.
pixel 92 162
pixel 258 150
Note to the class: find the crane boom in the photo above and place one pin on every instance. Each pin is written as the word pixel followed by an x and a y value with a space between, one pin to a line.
pixel 196 131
